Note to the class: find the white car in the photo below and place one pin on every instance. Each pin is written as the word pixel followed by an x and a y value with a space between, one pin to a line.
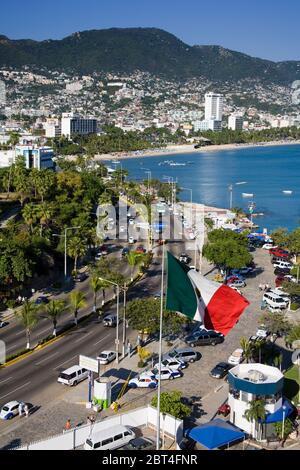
pixel 237 283
pixel 10 410
pixel 142 381
pixel 106 357
pixel 281 293
pixel 130 240
pixel 131 222
pixel 236 357
pixel 3 324
pixel 122 229
pixel 268 246
pixel 262 332
pixel 166 373
pixel 172 363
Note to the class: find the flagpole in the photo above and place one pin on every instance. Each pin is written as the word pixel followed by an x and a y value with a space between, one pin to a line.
pixel 160 348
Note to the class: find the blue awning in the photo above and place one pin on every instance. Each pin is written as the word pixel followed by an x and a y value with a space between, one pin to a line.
pixel 215 434
pixel 278 415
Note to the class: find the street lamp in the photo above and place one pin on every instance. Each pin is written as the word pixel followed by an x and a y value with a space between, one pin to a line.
pixel 149 173
pixel 124 318
pixel 283 420
pixel 195 248
pixel 65 236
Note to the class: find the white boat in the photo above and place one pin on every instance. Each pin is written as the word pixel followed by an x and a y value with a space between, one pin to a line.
pixel 241 182
pixel 177 164
pixel 247 194
pixel 115 161
pixel 287 191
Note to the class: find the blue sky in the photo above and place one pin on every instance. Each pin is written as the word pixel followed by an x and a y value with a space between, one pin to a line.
pixel 263 28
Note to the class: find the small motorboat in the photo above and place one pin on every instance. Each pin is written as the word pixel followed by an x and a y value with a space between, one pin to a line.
pixel 247 194
pixel 241 182
pixel 287 191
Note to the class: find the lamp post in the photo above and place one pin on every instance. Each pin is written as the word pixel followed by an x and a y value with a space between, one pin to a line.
pixel 195 248
pixel 117 327
pixel 230 189
pixel 65 236
pixel 149 174
pixel 283 420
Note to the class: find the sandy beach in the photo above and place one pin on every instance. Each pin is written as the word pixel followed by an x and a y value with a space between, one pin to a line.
pixel 187 148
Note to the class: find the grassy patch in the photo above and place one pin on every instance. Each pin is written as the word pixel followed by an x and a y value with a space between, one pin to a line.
pixel 291 384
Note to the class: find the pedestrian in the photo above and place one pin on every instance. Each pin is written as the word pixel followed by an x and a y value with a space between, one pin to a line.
pixel 139 341
pixel 26 410
pixel 67 425
pixel 260 286
pixel 129 349
pixel 20 409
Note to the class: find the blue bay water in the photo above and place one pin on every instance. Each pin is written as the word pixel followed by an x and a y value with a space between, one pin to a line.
pixel 267 170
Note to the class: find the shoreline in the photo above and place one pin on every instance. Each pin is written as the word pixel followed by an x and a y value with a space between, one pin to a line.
pixel 173 150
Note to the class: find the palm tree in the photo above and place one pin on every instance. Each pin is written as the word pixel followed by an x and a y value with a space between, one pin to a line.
pixel 255 413
pixel 27 316
pixel 54 310
pixel 30 215
pixel 76 249
pixel 45 214
pixel 294 334
pixel 247 348
pixel 78 300
pixel 133 259
pixel 96 285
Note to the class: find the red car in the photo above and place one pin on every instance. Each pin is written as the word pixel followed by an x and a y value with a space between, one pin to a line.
pixel 140 249
pixel 279 253
pixel 224 409
pixel 280 280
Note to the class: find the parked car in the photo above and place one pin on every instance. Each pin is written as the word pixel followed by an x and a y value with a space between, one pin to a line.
pixel 105 357
pixel 166 373
pixel 122 229
pixel 11 409
pixel 3 324
pixel 237 284
pixel 262 331
pixel 279 253
pixel 143 381
pixel 140 249
pixel 278 271
pixel 41 300
pixel 140 443
pixel 80 277
pixel 220 370
pixel 174 364
pixel 73 375
pixel 183 354
pixel 184 258
pixel 224 409
pixel 236 357
pixel 242 271
pixel 204 338
pixel 124 252
pixel 131 221
pixel 268 246
pixel 275 300
pixel 282 264
pixel 131 240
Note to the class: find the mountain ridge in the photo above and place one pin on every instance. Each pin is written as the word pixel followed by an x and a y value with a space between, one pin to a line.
pixel 152 50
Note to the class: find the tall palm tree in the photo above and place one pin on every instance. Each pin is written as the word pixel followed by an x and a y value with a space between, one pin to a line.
pixel 255 412
pixel 96 285
pixel 53 310
pixel 133 259
pixel 45 214
pixel 247 348
pixel 27 316
pixel 78 300
pixel 30 215
pixel 76 249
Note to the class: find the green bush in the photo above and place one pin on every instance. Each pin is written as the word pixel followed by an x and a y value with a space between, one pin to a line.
pixel 294 306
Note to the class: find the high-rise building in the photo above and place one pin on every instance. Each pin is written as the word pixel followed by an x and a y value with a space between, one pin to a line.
pixel 213 106
pixel 73 124
pixel 36 157
pixel 2 94
pixel 235 123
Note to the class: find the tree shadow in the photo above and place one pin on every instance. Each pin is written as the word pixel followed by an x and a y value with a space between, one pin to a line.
pixel 12 444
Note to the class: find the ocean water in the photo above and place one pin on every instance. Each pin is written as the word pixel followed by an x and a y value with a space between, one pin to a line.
pixel 267 171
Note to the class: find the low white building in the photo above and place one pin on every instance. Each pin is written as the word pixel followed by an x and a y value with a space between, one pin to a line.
pixel 235 122
pixel 249 382
pixel 7 158
pixel 207 125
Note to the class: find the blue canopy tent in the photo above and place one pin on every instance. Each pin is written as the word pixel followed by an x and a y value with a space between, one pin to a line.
pixel 214 434
pixel 278 415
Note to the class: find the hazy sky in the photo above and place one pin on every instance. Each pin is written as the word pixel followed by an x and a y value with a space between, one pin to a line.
pixel 263 28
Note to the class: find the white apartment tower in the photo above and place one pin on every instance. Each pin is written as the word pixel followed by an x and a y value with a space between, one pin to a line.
pixel 213 106
pixel 235 122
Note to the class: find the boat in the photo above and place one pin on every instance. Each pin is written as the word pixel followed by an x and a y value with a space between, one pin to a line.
pixel 115 161
pixel 177 164
pixel 241 182
pixel 247 194
pixel 287 191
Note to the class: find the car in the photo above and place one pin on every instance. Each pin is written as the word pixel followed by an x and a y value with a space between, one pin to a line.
pixel 278 271
pixel 237 290
pixel 220 370
pixel 268 246
pixel 281 293
pixel 235 277
pixel 184 258
pixel 131 221
pixel 11 409
pixel 282 264
pixel 111 320
pixel 258 340
pixel 172 363
pixel 130 240
pixel 80 277
pixel 183 354
pixel 122 229
pixel 166 373
pixel 105 357
pixel 279 253
pixel 242 271
pixel 3 324
pixel 140 443
pixel 236 357
pixel 140 249
pixel 157 295
pixel 143 381
pixel 204 338
pixel 41 300
pixel 262 332
pixel 224 409
pixel 237 283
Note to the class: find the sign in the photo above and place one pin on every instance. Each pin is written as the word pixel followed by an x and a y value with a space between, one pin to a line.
pixel 296 357
pixel 89 363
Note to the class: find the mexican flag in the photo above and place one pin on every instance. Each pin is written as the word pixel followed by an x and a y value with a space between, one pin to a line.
pixel 216 305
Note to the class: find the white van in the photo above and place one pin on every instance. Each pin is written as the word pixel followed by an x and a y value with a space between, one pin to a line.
pixel 274 300
pixel 73 376
pixel 282 264
pixel 110 438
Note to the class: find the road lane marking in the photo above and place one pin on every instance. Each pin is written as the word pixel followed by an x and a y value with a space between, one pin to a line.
pixel 44 331
pixel 102 339
pixel 83 337
pixel 20 333
pixel 46 359
pixel 15 390
pixel 6 380
pixel 65 362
